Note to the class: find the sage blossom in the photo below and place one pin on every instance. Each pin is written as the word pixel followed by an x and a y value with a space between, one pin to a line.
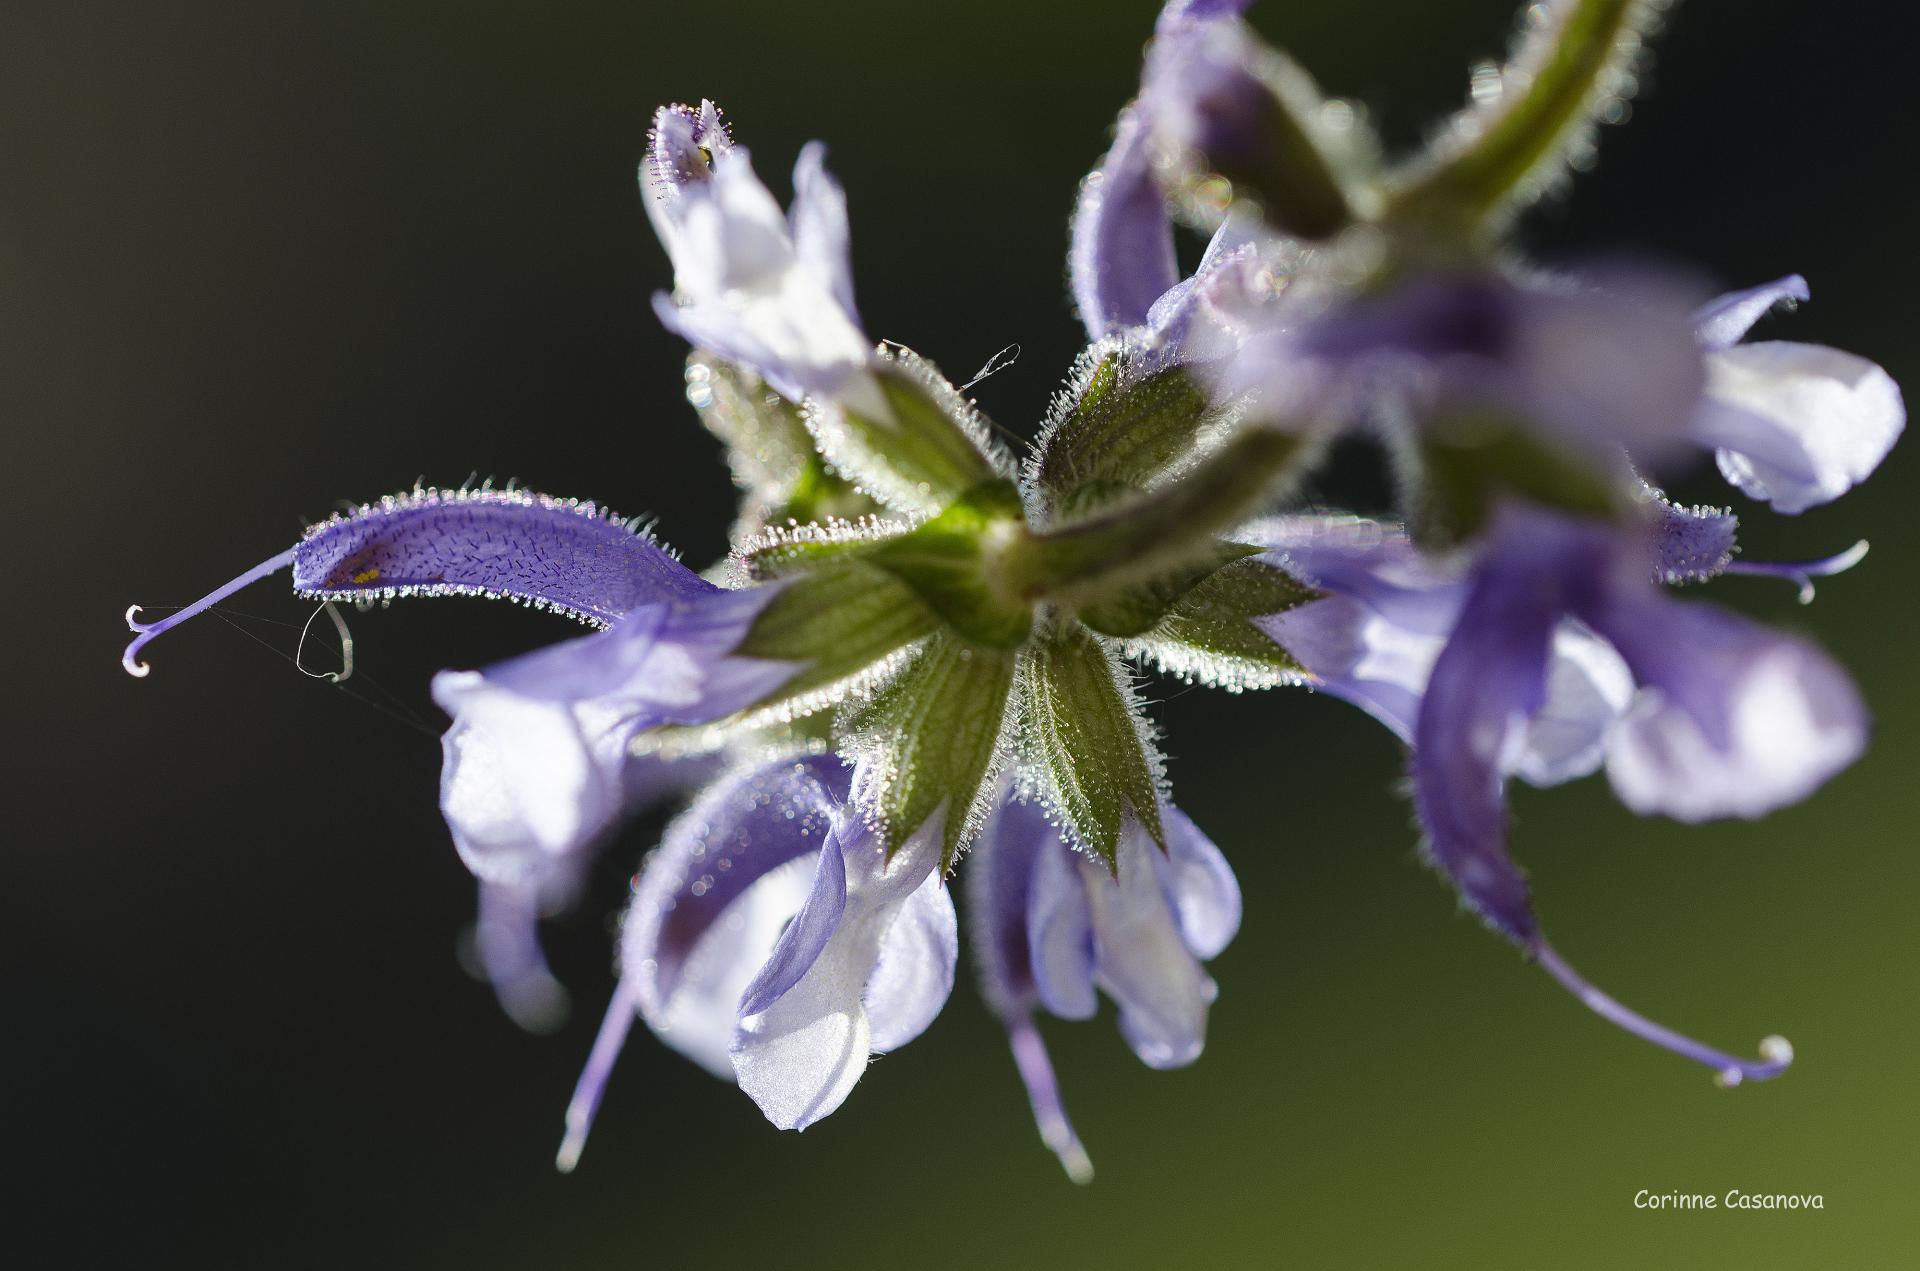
pixel 920 656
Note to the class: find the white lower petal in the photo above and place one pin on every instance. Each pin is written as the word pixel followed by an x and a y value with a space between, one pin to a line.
pixel 520 782
pixel 1793 721
pixel 914 976
pixel 1142 960
pixel 697 1018
pixel 801 1056
pixel 1588 688
pixel 1798 425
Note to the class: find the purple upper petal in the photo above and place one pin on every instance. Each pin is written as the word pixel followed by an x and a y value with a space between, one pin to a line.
pixel 1725 320
pixel 663 664
pixel 1690 544
pixel 999 879
pixel 1487 685
pixel 1121 259
pixel 805 937
pixel 558 554
pixel 1178 12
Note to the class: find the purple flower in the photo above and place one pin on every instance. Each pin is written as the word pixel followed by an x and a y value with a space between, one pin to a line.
pixel 537 763
pixel 1555 654
pixel 772 292
pixel 773 941
pixel 1121 255
pixel 1388 613
pixel 1793 425
pixel 1121 261
pixel 1594 369
pixel 1050 925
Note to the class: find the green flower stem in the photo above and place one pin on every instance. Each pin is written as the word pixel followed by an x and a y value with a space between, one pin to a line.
pixel 1567 66
pixel 1156 533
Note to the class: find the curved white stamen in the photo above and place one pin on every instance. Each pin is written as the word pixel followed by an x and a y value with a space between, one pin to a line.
pixel 1776 1053
pixel 145 632
pixel 593 1078
pixel 1804 572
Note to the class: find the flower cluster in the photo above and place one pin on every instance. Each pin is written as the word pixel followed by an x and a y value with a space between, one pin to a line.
pixel 921 650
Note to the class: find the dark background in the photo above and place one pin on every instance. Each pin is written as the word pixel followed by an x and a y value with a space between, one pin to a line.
pixel 258 258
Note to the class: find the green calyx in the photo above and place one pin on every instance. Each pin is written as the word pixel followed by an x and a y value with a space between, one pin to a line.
pixel 838 620
pixel 783 478
pixel 906 437
pixel 1123 428
pixel 1085 736
pixel 934 735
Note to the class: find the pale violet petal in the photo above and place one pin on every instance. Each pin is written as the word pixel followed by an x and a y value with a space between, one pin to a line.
pixel 822 239
pixel 1121 257
pixel 1724 320
pixel 914 976
pixel 697 1018
pixel 1797 425
pixel 998 875
pixel 1142 960
pixel 1588 689
pixel 800 1057
pixel 1060 934
pixel 1198 883
pixel 1732 719
pixel 806 937
pixel 519 781
pixel 711 904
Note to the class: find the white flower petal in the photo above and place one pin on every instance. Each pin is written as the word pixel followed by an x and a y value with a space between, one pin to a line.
pixel 801 1056
pixel 1798 425
pixel 1588 688
pixel 520 782
pixel 1792 720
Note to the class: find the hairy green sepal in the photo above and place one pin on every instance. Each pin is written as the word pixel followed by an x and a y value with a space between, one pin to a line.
pixel 769 449
pixel 1122 430
pixel 936 730
pixel 1138 609
pixel 1215 616
pixel 1084 736
pixel 1173 527
pixel 917 447
pixel 838 620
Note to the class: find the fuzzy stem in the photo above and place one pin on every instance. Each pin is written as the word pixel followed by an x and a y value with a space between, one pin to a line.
pixel 1565 71
pixel 1160 531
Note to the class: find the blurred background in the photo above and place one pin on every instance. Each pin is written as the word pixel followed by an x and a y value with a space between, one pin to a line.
pixel 255 259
